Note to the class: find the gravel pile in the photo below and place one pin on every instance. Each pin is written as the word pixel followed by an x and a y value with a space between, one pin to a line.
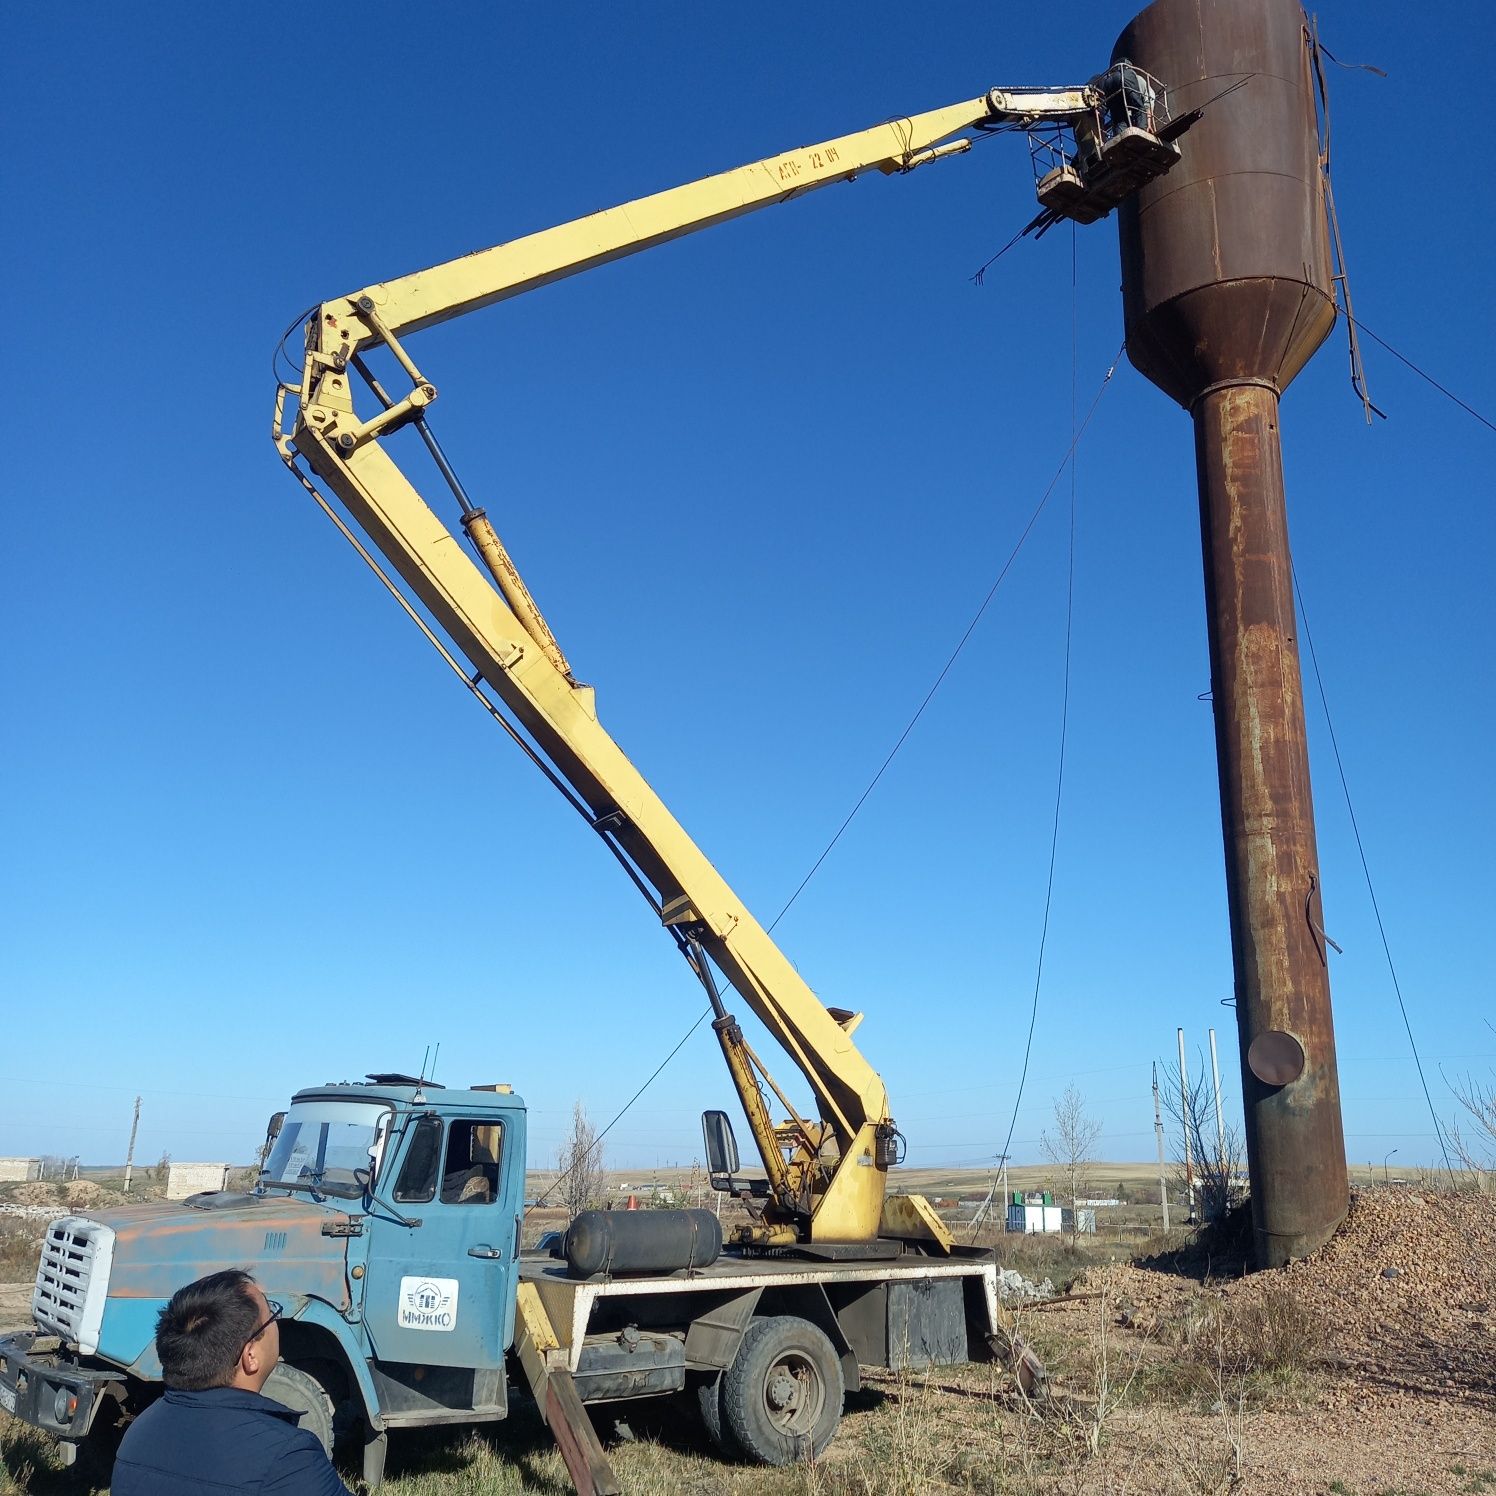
pixel 35 1212
pixel 1405 1291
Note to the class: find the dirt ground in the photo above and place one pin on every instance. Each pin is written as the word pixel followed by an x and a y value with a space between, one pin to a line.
pixel 1366 1370
pixel 15 1306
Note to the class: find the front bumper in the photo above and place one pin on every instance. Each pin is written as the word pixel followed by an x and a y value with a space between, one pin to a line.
pixel 41 1384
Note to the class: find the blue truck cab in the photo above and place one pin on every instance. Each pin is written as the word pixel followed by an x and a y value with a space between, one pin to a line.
pixel 387 1222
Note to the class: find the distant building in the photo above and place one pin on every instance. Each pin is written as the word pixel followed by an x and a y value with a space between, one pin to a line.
pixel 1034 1213
pixel 1087 1219
pixel 19 1170
pixel 192 1179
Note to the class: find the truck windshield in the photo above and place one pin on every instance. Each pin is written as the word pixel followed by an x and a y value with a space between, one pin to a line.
pixel 328 1147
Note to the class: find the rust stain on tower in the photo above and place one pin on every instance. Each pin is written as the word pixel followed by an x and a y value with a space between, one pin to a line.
pixel 1227 292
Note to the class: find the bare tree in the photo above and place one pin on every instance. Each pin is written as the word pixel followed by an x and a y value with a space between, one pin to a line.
pixel 1213 1159
pixel 580 1164
pixel 1475 1149
pixel 1072 1148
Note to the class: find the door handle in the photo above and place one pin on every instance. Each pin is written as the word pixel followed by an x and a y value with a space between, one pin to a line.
pixel 485 1251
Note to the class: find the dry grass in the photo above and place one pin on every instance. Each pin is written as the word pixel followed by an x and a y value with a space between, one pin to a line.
pixel 1217 1353
pixel 1273 1333
pixel 20 1247
pixel 964 1429
pixel 28 1464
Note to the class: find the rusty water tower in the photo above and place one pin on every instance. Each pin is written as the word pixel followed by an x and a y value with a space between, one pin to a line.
pixel 1227 292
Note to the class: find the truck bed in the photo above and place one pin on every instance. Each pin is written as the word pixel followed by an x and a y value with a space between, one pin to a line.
pixel 572 1304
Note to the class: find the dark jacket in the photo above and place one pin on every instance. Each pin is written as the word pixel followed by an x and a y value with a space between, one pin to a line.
pixel 220 1441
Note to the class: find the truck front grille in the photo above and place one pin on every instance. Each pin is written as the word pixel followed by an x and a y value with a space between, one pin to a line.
pixel 72 1281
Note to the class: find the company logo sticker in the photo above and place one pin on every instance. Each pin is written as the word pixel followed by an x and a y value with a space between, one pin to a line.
pixel 427 1304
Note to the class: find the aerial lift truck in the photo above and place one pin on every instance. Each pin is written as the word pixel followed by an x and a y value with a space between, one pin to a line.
pixel 388 1215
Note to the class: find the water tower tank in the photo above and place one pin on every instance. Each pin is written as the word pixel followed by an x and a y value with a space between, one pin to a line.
pixel 1225 259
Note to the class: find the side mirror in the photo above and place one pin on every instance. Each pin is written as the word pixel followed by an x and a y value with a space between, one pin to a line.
pixel 273 1127
pixel 721 1148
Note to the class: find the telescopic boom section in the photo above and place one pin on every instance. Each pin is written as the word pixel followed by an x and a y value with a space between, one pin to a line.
pixel 827 1175
pixel 449 290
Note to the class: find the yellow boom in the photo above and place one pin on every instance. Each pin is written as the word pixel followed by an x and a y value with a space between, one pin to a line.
pixel 827 1175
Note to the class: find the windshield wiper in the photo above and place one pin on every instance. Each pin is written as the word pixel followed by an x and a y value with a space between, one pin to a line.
pixel 313 1185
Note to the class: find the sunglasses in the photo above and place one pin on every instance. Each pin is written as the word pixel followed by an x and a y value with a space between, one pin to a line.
pixel 276 1310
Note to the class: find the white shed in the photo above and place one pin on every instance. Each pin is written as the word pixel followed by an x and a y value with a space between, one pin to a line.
pixel 19 1170
pixel 192 1179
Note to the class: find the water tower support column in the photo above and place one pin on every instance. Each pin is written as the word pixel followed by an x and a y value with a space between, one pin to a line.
pixel 1292 1091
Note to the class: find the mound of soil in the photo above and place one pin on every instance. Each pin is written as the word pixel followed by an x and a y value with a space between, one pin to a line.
pixel 84 1194
pixel 37 1192
pixel 1405 1290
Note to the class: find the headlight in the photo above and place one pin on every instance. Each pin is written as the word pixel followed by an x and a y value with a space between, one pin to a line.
pixel 65 1405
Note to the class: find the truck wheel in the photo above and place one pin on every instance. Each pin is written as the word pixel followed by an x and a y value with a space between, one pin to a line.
pixel 302 1392
pixel 782 1395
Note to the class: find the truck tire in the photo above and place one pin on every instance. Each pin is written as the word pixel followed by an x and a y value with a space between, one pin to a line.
pixel 782 1395
pixel 709 1404
pixel 302 1392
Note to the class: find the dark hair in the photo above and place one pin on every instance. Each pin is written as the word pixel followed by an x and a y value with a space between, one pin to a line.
pixel 202 1332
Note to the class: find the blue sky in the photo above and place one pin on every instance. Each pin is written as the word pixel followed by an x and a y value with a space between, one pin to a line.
pixel 759 480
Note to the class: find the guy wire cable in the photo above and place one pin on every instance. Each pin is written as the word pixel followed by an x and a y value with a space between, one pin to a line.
pixel 1404 359
pixel 1059 788
pixel 1345 789
pixel 1065 461
pixel 965 637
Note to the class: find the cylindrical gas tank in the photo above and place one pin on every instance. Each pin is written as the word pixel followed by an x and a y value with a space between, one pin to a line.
pixel 1225 258
pixel 641 1241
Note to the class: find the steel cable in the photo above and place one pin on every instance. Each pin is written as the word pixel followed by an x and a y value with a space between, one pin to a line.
pixel 1366 872
pixel 1054 833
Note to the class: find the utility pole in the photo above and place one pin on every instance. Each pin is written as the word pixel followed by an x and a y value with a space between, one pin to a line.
pixel 130 1154
pixel 1186 1116
pixel 1215 1072
pixel 1158 1133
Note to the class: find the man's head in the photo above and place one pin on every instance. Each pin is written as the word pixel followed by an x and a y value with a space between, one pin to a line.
pixel 218 1332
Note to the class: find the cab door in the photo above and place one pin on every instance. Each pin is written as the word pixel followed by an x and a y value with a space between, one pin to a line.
pixel 441 1293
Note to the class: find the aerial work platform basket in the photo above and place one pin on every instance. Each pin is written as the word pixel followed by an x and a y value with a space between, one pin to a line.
pixel 1124 143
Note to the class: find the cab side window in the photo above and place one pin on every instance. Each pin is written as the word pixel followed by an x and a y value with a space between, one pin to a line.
pixel 470 1174
pixel 417 1181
